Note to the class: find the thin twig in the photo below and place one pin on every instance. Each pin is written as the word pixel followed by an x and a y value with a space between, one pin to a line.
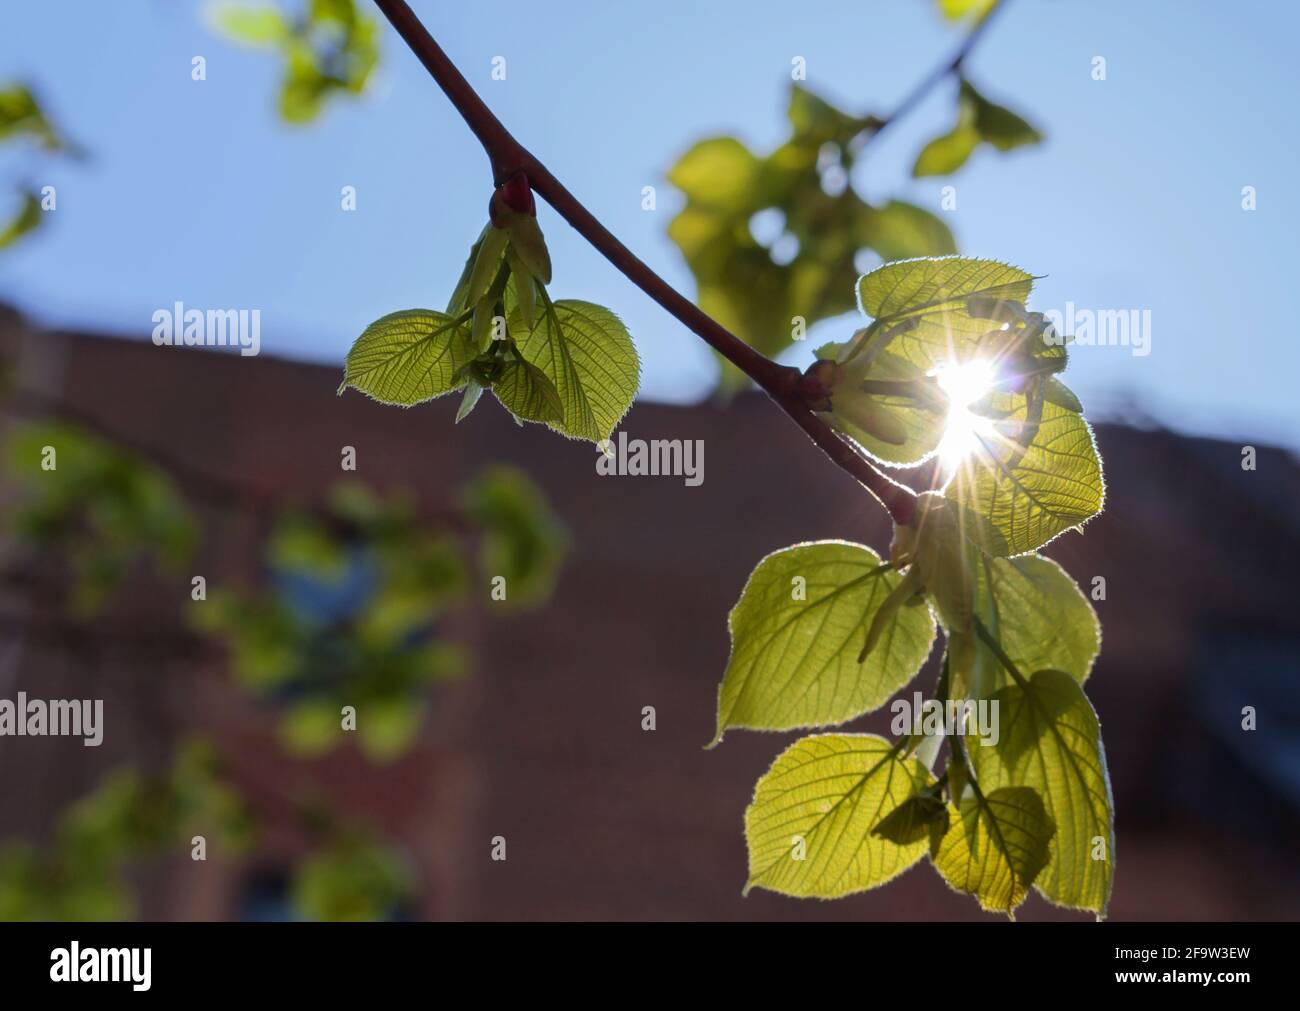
pixel 941 73
pixel 782 383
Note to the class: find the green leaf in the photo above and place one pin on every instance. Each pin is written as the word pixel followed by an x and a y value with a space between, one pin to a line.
pixel 899 231
pixel 521 540
pixel 588 356
pixel 946 153
pixel 1039 615
pixel 796 633
pixel 410 356
pixel 386 727
pixel 996 847
pixel 719 173
pixel 922 817
pixel 256 26
pixel 526 392
pixel 1030 495
pixel 917 420
pixel 978 121
pixel 20 113
pixel 1051 742
pixel 935 290
pixel 351 879
pixel 958 10
pixel 27 219
pixel 311 728
pixel 468 402
pixel 997 124
pixel 755 289
pixel 808 828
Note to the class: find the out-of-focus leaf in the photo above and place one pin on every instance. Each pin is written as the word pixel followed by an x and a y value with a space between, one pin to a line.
pixel 352 879
pixel 258 26
pixel 978 121
pixel 99 508
pixel 521 538
pixel 759 289
pixel 959 10
pixel 21 114
pixel 947 152
pixel 26 219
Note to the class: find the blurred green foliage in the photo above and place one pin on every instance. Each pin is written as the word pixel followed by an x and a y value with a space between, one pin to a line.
pixel 979 121
pixel 95 507
pixel 520 539
pixel 81 873
pixel 330 48
pixel 352 878
pixel 349 614
pixel 763 290
pixel 21 118
pixel 960 10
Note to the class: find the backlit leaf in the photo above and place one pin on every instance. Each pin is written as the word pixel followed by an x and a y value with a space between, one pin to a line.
pixel 408 357
pixel 809 827
pixel 1030 495
pixel 796 634
pixel 1051 742
pixel 588 356
pixel 996 846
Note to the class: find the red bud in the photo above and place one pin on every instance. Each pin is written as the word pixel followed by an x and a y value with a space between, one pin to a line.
pixel 517 195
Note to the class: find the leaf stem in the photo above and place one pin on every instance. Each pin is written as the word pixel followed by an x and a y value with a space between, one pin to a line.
pixel 995 647
pixel 784 384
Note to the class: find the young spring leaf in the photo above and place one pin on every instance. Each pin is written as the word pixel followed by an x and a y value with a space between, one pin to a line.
pixel 1051 742
pixel 915 413
pixel 526 392
pixel 808 828
pixel 1040 616
pixel 588 356
pixel 473 390
pixel 996 846
pixel 410 356
pixel 931 297
pixel 487 263
pixel 1030 494
pixel 796 633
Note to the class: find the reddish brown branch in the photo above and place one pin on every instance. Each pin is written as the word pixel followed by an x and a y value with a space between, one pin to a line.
pixel 782 383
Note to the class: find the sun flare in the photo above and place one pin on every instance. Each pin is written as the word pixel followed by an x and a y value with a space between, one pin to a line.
pixel 964 383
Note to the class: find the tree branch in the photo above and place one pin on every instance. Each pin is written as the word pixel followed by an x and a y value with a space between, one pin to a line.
pixel 937 76
pixel 782 383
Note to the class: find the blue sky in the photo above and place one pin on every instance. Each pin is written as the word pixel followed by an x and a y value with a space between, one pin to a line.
pixel 194 191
